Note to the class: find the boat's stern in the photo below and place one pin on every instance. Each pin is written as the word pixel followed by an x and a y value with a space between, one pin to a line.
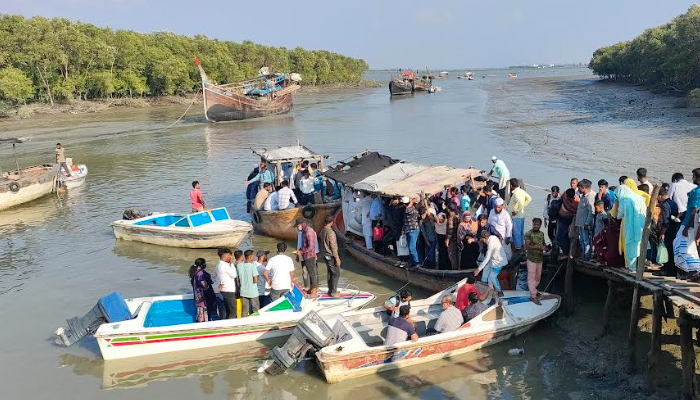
pixel 347 300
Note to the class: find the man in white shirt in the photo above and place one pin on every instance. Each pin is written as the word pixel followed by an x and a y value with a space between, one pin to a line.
pixel 494 260
pixel 678 192
pixel 272 202
pixel 306 186
pixel 226 276
pixel 285 197
pixel 279 273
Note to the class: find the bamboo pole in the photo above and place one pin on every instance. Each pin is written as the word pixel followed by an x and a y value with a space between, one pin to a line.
pixel 653 356
pixel 606 310
pixel 632 334
pixel 690 386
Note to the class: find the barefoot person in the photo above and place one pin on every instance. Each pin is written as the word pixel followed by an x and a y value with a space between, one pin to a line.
pixel 534 245
pixel 61 158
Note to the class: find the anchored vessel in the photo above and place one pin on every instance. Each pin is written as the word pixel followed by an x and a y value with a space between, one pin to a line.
pixel 25 184
pixel 268 94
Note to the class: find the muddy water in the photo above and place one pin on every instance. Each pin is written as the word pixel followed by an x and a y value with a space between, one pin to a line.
pixel 58 255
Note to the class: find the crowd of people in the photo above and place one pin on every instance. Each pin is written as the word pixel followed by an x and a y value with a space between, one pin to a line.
pixel 257 280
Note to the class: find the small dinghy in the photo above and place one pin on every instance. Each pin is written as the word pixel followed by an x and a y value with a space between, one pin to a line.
pixel 205 229
pixel 164 324
pixel 352 345
pixel 78 174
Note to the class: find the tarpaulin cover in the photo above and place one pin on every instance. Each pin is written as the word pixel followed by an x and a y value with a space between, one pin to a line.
pixel 289 153
pixel 360 168
pixel 394 174
pixel 429 181
pixel 115 308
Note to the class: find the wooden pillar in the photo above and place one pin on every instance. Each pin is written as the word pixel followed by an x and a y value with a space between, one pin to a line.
pixel 690 386
pixel 653 356
pixel 569 286
pixel 278 175
pixel 632 334
pixel 606 310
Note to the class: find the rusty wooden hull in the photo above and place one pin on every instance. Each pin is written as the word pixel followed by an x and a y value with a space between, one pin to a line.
pixel 220 106
pixel 280 224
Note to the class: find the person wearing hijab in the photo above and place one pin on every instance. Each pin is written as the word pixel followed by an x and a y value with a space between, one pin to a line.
pixel 567 211
pixel 466 241
pixel 630 207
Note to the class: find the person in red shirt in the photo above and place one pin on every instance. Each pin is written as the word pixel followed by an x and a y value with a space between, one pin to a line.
pixel 196 198
pixel 378 237
pixel 464 290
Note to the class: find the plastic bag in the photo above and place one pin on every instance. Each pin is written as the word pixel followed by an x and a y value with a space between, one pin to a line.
pixel 661 254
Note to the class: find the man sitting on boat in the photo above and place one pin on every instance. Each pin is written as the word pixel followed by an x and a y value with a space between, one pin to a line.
pixel 394 304
pixel 450 318
pixel 285 197
pixel 262 195
pixel 465 290
pixel 474 308
pixel 400 329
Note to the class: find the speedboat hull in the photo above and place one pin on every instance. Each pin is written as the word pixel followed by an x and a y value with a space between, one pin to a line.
pixel 77 178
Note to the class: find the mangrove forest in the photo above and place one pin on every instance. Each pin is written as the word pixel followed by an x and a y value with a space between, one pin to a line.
pixel 52 60
pixel 664 56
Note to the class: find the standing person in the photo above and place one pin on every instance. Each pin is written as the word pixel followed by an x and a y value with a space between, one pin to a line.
pixel 467 242
pixel 394 224
pixel 61 158
pixel 678 192
pixel 519 200
pixel 493 261
pixel 376 209
pixel 227 276
pixel 490 197
pixel 307 188
pixel 669 223
pixel 411 229
pixel 329 246
pixel 686 248
pixel 248 276
pixel 427 230
pixel 441 233
pixel 307 252
pixel 285 197
pixel 452 226
pixel 584 218
pixel 204 296
pixel 366 214
pixel 499 169
pixel 196 198
pixel 263 285
pixel 551 213
pixel 262 195
pixel 501 221
pixel 378 237
pixel 605 195
pixel 465 202
pixel 631 209
pixel 535 247
pixel 573 183
pixel 600 218
pixel 264 175
pixel 279 273
pixel 567 212
pixel 693 201
pixel 642 178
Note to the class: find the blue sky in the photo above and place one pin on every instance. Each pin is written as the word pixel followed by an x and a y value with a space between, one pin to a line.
pixel 388 33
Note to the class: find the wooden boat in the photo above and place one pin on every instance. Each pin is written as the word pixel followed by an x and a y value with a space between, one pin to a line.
pixel 467 75
pixel 163 324
pixel 206 229
pixel 280 223
pixel 78 174
pixel 402 84
pixel 359 350
pixel 25 184
pixel 444 74
pixel 268 94
pixel 512 75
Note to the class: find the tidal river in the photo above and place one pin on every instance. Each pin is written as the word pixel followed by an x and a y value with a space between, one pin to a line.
pixel 58 254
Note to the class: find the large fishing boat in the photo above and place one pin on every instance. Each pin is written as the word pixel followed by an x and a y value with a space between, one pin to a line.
pixel 267 94
pixel 402 84
pixel 25 184
pixel 386 177
pixel 283 162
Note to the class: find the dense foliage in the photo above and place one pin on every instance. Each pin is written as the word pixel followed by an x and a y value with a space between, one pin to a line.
pixel 55 59
pixel 668 55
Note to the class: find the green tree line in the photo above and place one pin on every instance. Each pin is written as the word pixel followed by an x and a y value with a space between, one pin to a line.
pixel 667 55
pixel 52 60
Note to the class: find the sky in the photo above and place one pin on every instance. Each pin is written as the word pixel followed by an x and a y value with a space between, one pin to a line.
pixel 439 34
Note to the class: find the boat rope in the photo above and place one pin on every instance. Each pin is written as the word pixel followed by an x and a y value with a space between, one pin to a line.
pixel 194 98
pixel 553 277
pixel 393 293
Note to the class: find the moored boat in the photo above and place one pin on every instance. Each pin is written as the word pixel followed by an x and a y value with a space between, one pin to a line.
pixel 78 174
pixel 164 324
pixel 268 94
pixel 512 75
pixel 467 75
pixel 402 84
pixel 23 185
pixel 282 161
pixel 206 229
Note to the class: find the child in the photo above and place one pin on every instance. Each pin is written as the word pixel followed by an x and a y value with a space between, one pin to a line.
pixel 378 237
pixel 534 245
pixel 599 218
pixel 465 202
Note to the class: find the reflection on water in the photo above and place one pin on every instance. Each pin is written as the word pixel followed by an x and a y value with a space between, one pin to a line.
pixel 58 254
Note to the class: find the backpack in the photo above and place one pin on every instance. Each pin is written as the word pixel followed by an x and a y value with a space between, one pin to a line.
pixel 553 209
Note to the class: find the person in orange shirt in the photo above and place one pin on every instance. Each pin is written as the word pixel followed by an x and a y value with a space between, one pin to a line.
pixel 196 198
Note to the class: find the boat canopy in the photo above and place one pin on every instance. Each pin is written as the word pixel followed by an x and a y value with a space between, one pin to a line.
pixel 430 180
pixel 359 167
pixel 394 174
pixel 288 154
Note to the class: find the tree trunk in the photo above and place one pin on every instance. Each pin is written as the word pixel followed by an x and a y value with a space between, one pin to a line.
pixel 46 83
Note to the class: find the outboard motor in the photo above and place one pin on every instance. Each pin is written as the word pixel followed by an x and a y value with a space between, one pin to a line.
pixel 311 333
pixel 111 308
pixel 132 213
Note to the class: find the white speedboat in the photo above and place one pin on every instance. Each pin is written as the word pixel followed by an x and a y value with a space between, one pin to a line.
pixel 164 324
pixel 354 346
pixel 205 229
pixel 78 174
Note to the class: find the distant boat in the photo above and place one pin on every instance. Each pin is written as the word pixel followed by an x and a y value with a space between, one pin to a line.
pixel 467 75
pixel 402 84
pixel 444 74
pixel 25 184
pixel 512 75
pixel 268 94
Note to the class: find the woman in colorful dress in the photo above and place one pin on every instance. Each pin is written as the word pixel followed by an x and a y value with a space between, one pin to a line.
pixel 204 296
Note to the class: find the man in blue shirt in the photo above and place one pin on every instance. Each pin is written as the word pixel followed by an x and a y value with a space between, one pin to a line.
pixel 264 175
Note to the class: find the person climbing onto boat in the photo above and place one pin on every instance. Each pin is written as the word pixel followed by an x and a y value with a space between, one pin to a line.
pixel 264 175
pixel 262 195
pixel 226 276
pixel 196 198
pixel 248 276
pixel 494 260
pixel 204 296
pixel 279 273
pixel 450 318
pixel 400 328
pixel 61 158
pixel 470 287
pixel 329 244
pixel 501 171
pixel 474 308
pixel 307 253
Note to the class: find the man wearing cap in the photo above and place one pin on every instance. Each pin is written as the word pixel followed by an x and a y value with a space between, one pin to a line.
pixel 411 229
pixel 500 220
pixel 307 253
pixel 499 168
pixel 263 285
pixel 329 245
pixel 279 273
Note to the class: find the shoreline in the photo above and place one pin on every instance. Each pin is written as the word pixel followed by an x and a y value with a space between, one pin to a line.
pixel 80 107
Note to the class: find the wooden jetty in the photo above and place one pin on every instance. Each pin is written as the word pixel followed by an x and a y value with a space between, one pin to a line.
pixel 666 292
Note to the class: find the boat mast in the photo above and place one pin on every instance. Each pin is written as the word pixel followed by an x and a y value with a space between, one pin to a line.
pixel 14 152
